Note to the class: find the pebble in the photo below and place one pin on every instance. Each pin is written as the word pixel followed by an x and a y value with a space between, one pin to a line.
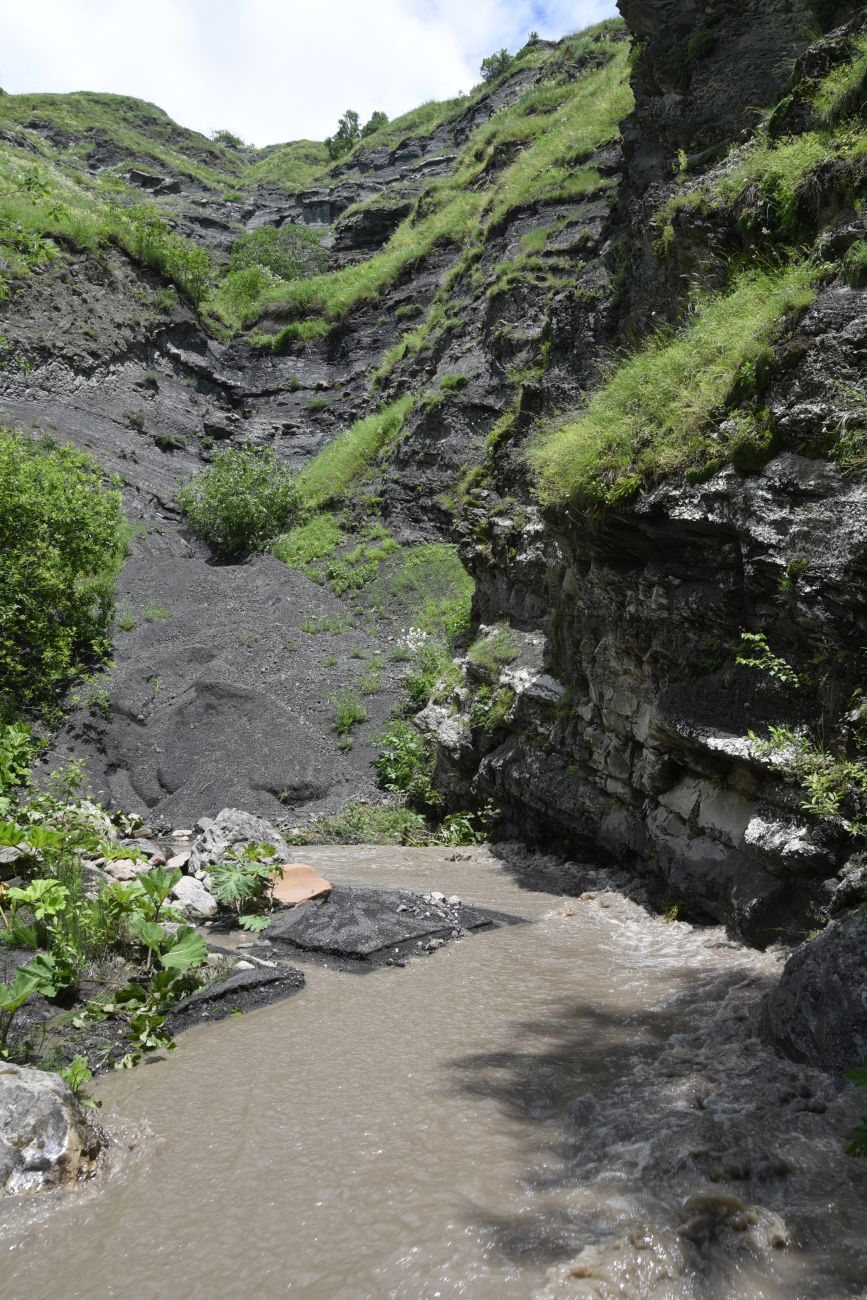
pixel 454 901
pixel 244 965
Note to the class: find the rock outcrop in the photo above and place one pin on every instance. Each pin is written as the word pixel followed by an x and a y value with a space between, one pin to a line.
pixel 45 1138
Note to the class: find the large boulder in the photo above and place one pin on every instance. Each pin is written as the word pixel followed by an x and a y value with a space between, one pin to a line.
pixel 45 1137
pixel 818 1011
pixel 233 829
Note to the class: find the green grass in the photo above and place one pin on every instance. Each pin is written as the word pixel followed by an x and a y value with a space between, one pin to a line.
pixel 143 131
pixel 368 824
pixel 494 650
pixel 844 89
pixel 327 298
pixel 653 416
pixel 315 539
pixel 433 589
pixel 294 166
pixel 155 613
pixel 349 712
pixel 330 475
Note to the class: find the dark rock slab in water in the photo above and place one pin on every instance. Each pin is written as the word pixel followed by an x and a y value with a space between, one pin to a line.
pixel 818 1011
pixel 243 991
pixel 374 927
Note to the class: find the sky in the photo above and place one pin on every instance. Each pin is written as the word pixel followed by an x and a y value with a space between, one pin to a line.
pixel 271 70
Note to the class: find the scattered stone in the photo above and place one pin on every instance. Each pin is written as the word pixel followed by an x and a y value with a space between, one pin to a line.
pixel 453 901
pixel 126 868
pixel 45 1137
pixel 299 884
pixel 194 899
pixel 244 965
pixel 157 860
pixel 182 834
pixel 179 861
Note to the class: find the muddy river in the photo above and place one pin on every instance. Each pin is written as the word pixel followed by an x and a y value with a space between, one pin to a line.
pixel 576 1107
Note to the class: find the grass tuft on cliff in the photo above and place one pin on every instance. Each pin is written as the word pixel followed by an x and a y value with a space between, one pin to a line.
pixel 654 416
pixel 332 472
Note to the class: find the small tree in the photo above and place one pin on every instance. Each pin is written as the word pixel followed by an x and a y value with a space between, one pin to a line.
pixel 496 64
pixel 347 135
pixel 377 120
pixel 228 138
pixel 241 502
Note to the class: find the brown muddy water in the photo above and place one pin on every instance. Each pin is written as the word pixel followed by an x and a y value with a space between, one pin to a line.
pixel 577 1107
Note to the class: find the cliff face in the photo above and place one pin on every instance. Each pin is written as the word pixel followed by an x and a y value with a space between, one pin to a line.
pixel 629 723
pixel 517 247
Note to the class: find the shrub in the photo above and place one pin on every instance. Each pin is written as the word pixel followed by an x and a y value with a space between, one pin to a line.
pixel 63 539
pixel 227 138
pixel 375 123
pixel 495 65
pixel 290 253
pixel 241 502
pixel 406 764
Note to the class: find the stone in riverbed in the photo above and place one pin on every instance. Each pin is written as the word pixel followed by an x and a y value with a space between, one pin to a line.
pixel 233 830
pixel 298 884
pixel 191 896
pixel 366 927
pixel 45 1137
pixel 818 1011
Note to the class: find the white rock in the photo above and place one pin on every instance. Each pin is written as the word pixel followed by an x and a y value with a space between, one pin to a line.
pixel 453 901
pixel 45 1138
pixel 193 899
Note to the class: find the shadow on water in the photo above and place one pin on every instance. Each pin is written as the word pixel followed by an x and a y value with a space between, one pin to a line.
pixel 628 1113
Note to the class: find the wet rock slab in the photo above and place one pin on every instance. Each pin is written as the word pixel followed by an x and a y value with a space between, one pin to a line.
pixel 359 928
pixel 245 990
pixel 45 1138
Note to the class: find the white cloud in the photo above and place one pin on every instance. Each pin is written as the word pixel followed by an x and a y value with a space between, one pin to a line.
pixel 272 69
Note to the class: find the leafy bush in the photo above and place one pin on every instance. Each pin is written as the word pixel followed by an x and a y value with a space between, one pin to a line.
pixel 63 539
pixel 495 65
pixel 241 502
pixel 406 764
pixel 290 253
pixel 227 138
pixel 375 123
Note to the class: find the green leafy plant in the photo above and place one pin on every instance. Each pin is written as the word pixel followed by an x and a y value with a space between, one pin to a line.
pixel 496 65
pixel 242 883
pixel 77 1075
pixel 241 502
pixel 36 977
pixel 406 764
pixel 63 539
pixel 756 653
